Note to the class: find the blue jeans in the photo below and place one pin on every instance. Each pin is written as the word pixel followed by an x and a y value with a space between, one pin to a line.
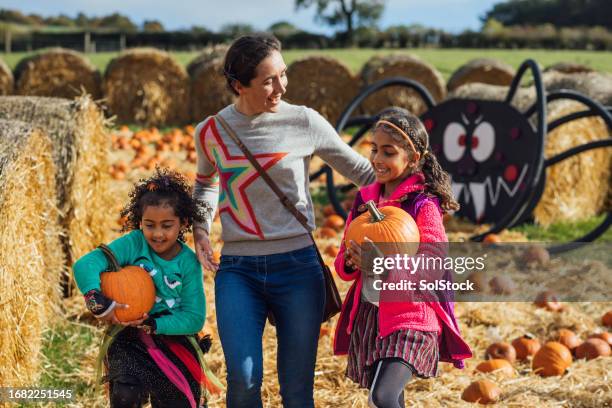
pixel 291 285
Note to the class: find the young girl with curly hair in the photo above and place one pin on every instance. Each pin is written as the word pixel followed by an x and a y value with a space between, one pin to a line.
pixel 391 339
pixel 153 357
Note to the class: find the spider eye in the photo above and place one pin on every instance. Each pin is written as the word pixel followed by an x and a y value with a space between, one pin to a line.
pixel 483 141
pixel 454 141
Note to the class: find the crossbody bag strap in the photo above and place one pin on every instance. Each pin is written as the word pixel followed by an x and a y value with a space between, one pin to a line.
pixel 283 198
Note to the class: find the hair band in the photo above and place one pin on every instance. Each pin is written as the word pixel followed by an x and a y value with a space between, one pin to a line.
pixel 394 126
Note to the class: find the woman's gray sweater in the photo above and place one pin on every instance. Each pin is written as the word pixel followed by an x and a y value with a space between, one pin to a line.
pixel 253 220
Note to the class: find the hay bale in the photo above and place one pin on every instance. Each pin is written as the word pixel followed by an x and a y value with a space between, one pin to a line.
pixel 208 90
pixel 6 79
pixel 80 152
pixel 207 54
pixel 404 65
pixel 576 188
pixel 59 72
pixel 147 86
pixel 597 85
pixel 569 68
pixel 322 83
pixel 482 70
pixel 30 261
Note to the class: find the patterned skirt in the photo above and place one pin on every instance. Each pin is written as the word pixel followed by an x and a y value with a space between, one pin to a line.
pixel 129 361
pixel 418 349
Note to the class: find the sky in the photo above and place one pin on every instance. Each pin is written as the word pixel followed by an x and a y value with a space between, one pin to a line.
pixel 450 15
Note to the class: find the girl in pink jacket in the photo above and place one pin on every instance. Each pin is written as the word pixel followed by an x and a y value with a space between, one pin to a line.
pixel 389 342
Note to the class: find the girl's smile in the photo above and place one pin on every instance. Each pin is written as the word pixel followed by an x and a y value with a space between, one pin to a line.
pixel 391 161
pixel 161 228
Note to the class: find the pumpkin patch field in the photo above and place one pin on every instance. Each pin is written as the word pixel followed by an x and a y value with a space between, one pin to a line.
pixel 541 353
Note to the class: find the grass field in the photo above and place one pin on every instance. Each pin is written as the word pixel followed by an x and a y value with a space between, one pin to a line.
pixel 445 60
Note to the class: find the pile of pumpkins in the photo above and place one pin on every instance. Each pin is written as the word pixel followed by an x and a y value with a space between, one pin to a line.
pixel 550 359
pixel 149 146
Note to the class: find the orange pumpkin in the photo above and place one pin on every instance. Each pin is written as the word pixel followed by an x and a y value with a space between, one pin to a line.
pixel 328 210
pixel 552 359
pixel 326 232
pixel 332 250
pixel 387 224
pixel 130 285
pixel 501 350
pixel 606 319
pixel 605 336
pixel 482 391
pixel 569 339
pixel 491 239
pixel 549 300
pixel 479 279
pixel 502 285
pixel 497 364
pixel 525 346
pixel 593 348
pixel 334 221
pixel 536 255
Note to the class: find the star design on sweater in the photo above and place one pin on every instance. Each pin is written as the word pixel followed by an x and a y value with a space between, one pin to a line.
pixel 236 173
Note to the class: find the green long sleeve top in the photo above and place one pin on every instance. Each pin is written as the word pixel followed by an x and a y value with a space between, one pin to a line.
pixel 178 282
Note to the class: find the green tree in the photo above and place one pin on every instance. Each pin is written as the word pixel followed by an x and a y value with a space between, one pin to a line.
pixel 60 21
pixel 117 21
pixel 561 13
pixel 283 28
pixel 348 13
pixel 234 30
pixel 153 26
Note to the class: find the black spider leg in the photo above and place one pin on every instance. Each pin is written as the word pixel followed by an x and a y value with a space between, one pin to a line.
pixel 343 122
pixel 596 109
pixel 521 201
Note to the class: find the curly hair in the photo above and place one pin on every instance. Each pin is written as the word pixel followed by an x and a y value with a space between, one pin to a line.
pixel 436 179
pixel 164 187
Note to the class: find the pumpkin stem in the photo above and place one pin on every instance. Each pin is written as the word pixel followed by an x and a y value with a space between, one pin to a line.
pixel 377 216
pixel 113 263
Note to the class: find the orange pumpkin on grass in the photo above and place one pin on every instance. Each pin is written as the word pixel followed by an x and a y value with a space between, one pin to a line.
pixel 129 285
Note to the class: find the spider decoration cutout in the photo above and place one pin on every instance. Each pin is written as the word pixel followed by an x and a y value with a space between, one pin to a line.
pixel 494 154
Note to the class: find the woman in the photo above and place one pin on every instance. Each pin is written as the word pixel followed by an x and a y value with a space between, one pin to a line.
pixel 268 262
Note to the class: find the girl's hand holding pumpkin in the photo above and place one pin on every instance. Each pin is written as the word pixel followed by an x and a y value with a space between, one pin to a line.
pixel 102 307
pixel 354 253
pixel 204 250
pixel 136 323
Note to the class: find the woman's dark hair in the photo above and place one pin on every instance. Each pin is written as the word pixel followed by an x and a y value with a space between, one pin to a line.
pixel 436 179
pixel 164 187
pixel 244 55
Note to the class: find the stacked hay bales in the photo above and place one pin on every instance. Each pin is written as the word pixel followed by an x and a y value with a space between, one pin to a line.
pixel 209 92
pixel 482 70
pixel 6 79
pixel 80 152
pixel 576 188
pixel 30 250
pixel 147 86
pixel 322 83
pixel 404 65
pixel 60 73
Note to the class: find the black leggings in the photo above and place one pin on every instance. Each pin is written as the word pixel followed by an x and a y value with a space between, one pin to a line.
pixel 390 377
